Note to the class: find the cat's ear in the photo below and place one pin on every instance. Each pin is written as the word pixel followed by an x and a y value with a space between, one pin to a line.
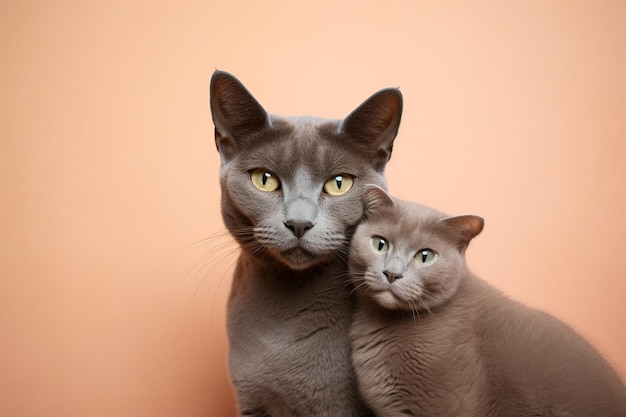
pixel 375 198
pixel 235 112
pixel 373 125
pixel 464 228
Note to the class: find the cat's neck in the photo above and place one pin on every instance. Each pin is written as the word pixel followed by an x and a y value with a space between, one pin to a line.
pixel 259 282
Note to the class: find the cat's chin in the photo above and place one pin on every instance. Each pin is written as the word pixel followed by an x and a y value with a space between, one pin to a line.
pixel 389 300
pixel 300 259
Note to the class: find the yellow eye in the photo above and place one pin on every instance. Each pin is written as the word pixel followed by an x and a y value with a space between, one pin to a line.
pixel 264 180
pixel 425 256
pixel 379 244
pixel 339 184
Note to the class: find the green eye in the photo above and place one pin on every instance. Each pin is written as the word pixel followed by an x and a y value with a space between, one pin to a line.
pixel 339 184
pixel 380 244
pixel 425 256
pixel 264 180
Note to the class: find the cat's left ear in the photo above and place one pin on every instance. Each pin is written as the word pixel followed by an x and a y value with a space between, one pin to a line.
pixel 464 228
pixel 373 125
pixel 235 112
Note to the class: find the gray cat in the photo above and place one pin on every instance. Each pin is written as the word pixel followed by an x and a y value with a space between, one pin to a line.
pixel 431 339
pixel 291 197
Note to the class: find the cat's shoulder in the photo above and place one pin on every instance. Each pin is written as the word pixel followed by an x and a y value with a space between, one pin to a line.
pixel 498 317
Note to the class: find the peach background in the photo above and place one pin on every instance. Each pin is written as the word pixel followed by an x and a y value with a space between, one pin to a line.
pixel 108 171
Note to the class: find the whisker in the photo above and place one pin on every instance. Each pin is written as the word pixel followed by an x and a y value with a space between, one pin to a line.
pixel 227 272
pixel 341 253
pixel 414 311
pixel 225 243
pixel 219 261
pixel 215 235
pixel 430 312
pixel 205 259
pixel 359 286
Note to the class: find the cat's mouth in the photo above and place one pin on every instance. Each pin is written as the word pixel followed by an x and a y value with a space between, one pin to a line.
pixel 300 258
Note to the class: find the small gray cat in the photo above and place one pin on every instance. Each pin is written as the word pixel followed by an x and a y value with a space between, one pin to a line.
pixel 431 339
pixel 292 197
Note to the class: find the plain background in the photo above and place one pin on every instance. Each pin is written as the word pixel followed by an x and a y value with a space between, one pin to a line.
pixel 111 301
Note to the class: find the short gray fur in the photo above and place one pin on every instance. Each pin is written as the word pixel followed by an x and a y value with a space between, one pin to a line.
pixel 434 340
pixel 290 308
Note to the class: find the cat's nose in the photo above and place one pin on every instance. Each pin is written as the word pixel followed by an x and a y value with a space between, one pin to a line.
pixel 392 276
pixel 298 228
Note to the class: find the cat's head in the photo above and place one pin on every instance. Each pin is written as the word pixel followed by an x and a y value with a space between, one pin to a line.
pixel 406 256
pixel 292 187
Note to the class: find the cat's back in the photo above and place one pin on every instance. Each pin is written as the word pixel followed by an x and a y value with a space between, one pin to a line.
pixel 481 355
pixel 537 361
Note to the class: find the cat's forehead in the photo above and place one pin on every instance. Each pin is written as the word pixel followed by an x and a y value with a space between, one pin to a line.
pixel 407 222
pixel 305 126
pixel 303 142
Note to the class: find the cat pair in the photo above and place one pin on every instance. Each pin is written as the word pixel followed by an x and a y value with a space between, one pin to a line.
pixel 403 329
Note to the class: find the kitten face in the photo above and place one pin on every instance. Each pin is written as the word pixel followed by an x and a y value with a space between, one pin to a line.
pixel 292 187
pixel 404 265
pixel 409 257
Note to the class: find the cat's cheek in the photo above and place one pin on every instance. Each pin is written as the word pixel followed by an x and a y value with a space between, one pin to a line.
pixel 346 209
pixel 256 205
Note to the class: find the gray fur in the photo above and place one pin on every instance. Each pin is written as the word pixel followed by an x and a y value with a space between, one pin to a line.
pixel 441 342
pixel 290 309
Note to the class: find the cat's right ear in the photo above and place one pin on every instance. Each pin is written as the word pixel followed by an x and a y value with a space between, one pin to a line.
pixel 373 125
pixel 235 113
pixel 464 228
pixel 375 198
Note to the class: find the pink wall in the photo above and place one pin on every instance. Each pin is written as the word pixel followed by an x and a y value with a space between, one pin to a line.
pixel 108 171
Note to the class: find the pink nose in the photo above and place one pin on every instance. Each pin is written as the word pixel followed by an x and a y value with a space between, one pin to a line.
pixel 392 276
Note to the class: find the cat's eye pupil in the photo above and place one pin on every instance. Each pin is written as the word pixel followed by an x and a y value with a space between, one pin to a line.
pixel 264 180
pixel 379 244
pixel 425 256
pixel 338 184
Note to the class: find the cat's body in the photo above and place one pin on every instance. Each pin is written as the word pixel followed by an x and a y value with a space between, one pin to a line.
pixel 291 197
pixel 442 342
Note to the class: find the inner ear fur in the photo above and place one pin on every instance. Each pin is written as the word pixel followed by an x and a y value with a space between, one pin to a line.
pixel 374 199
pixel 375 123
pixel 464 228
